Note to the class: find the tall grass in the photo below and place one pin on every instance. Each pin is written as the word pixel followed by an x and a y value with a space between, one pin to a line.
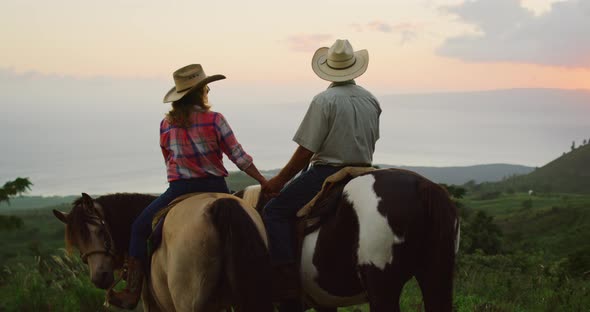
pixel 58 282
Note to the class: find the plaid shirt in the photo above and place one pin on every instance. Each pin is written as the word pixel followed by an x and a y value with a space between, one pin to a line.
pixel 196 151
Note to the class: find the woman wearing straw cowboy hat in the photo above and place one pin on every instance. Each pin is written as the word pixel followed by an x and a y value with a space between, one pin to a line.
pixel 193 139
pixel 339 129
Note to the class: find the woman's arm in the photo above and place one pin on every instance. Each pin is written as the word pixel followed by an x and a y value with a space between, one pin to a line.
pixel 254 173
pixel 232 148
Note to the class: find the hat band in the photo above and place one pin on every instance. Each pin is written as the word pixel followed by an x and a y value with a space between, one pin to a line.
pixel 183 89
pixel 340 68
pixel 185 85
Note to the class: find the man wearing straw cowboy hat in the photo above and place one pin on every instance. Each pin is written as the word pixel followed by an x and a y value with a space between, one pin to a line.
pixel 339 129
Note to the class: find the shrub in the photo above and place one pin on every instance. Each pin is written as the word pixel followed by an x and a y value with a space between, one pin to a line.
pixel 527 204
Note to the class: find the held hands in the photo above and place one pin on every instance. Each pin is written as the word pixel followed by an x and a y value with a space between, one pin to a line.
pixel 273 187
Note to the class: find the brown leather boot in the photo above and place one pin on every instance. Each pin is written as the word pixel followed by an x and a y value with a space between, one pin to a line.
pixel 129 297
pixel 286 282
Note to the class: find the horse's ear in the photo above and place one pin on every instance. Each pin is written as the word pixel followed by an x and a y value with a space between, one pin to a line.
pixel 87 203
pixel 86 197
pixel 62 216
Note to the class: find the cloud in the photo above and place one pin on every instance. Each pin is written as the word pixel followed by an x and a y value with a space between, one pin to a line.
pixel 406 31
pixel 380 26
pixel 307 43
pixel 356 27
pixel 508 32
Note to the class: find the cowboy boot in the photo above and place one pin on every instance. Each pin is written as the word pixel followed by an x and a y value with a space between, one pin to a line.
pixel 129 297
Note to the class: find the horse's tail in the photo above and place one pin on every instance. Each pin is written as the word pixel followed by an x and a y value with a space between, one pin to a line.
pixel 443 228
pixel 246 258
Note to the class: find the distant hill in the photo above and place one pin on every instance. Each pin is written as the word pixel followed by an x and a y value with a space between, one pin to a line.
pixel 461 175
pixel 35 202
pixel 569 173
pixel 448 175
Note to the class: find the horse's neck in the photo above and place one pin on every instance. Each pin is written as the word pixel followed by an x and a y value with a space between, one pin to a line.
pixel 120 215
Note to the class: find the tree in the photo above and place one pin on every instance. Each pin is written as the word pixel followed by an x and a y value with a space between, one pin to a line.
pixel 584 142
pixel 12 188
pixel 573 145
pixel 480 232
pixel 455 191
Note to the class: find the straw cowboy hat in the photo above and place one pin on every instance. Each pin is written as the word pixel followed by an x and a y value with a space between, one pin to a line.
pixel 188 78
pixel 339 62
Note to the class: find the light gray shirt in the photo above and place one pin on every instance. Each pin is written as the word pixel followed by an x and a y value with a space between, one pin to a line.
pixel 341 125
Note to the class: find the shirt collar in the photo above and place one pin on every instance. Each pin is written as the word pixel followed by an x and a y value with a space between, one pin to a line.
pixel 342 83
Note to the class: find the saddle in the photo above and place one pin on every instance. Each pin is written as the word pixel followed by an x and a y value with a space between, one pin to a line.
pixel 286 281
pixel 324 204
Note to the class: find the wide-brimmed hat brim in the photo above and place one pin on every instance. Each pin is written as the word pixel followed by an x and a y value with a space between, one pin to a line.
pixel 173 95
pixel 320 66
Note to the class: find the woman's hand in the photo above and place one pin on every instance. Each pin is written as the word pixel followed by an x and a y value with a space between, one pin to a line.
pixel 273 187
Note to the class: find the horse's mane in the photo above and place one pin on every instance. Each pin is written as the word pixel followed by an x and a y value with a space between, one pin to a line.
pixel 120 210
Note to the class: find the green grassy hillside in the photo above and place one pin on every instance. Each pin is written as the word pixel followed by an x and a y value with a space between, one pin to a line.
pixel 558 225
pixel 569 173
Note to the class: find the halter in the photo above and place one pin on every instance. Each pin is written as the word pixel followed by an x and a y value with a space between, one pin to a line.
pixel 108 241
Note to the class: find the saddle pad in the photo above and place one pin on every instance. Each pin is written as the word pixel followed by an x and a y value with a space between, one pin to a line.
pixel 162 213
pixel 155 238
pixel 344 173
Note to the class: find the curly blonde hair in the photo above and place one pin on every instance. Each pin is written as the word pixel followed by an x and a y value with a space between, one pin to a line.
pixel 182 109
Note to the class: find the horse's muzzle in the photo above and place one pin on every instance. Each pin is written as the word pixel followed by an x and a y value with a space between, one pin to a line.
pixel 103 280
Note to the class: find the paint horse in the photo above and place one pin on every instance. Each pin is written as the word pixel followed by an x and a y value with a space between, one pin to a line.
pixel 213 252
pixel 382 228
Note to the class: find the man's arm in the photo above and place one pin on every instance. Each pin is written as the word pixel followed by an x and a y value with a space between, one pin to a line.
pixel 298 161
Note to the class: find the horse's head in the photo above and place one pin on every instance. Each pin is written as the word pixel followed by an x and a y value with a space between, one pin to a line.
pixel 253 195
pixel 87 231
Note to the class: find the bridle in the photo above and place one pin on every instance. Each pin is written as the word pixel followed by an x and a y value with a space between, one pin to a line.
pixel 108 240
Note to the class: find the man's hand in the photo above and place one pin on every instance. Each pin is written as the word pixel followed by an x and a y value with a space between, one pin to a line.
pixel 298 161
pixel 273 187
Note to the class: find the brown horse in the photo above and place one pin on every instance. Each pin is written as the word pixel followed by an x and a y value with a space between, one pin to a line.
pixel 213 252
pixel 379 230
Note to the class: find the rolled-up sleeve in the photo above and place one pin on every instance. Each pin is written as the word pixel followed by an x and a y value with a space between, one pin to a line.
pixel 229 144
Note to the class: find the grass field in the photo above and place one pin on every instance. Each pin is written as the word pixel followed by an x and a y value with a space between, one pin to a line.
pixel 541 267
pixel 558 225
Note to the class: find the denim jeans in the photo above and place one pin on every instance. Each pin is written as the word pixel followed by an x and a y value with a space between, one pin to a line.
pixel 280 213
pixel 142 226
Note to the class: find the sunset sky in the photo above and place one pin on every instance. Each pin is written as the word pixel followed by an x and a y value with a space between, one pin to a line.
pixel 82 82
pixel 414 45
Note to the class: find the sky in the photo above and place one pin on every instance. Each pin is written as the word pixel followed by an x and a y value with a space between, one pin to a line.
pixel 81 82
pixel 414 45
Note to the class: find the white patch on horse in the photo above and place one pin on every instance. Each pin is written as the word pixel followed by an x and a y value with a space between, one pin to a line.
pixel 309 274
pixel 376 238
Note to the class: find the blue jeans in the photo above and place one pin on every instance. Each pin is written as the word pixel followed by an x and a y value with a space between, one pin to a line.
pixel 279 214
pixel 142 226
